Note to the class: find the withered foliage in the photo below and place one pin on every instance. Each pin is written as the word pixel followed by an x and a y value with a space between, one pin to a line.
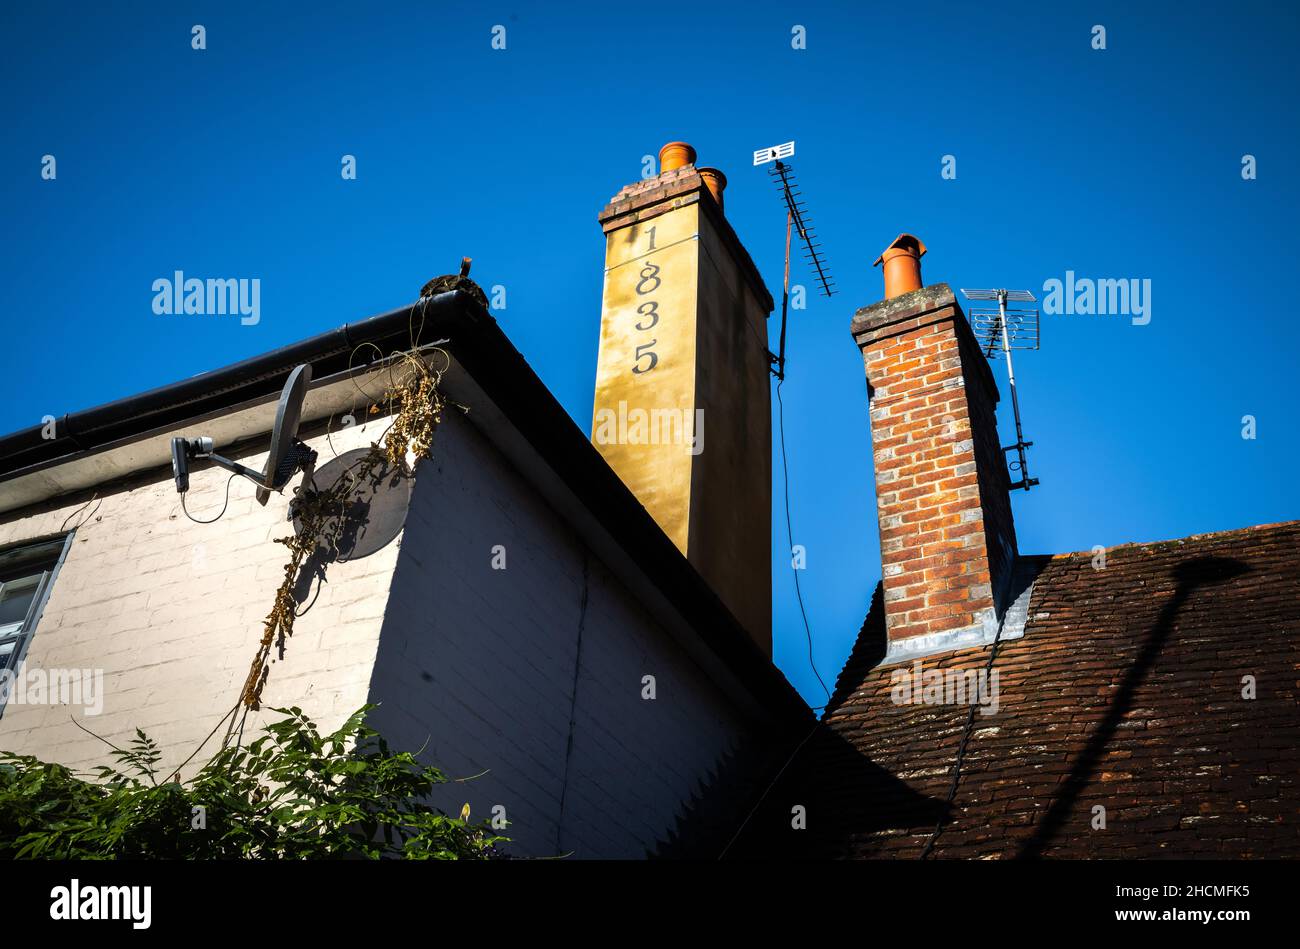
pixel 416 401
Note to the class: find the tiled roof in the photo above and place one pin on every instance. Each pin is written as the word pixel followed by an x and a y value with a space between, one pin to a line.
pixel 1126 692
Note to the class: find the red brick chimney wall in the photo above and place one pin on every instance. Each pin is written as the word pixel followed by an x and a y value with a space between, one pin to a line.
pixel 947 539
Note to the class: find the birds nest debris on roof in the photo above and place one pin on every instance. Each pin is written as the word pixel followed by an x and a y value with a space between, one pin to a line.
pixel 453 281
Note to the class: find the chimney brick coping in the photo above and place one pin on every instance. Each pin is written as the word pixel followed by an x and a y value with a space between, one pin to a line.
pixel 643 200
pixel 907 311
pixel 643 195
pixel 929 298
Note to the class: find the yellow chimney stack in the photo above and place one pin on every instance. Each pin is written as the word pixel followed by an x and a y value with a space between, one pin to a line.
pixel 682 409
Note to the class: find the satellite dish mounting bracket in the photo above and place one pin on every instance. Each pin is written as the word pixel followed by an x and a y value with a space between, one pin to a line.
pixel 287 456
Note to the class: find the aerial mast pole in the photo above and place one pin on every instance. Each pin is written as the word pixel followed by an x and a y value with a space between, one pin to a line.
pixel 796 218
pixel 1008 329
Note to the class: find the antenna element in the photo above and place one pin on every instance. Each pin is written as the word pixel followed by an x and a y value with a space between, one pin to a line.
pixel 1007 328
pixel 796 217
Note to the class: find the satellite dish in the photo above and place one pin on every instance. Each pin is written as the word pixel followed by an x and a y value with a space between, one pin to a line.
pixel 287 454
pixel 371 509
pixel 282 462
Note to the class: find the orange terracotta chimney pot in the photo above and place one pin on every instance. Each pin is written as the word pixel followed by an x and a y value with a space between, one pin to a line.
pixel 902 260
pixel 715 181
pixel 675 155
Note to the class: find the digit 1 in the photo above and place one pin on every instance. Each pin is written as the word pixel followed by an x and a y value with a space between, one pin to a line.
pixel 652 238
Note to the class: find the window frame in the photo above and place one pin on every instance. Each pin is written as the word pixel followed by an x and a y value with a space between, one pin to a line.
pixel 41 556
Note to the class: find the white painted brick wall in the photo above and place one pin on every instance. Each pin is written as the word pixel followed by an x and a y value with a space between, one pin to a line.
pixel 479 663
pixel 172 612
pixel 475 664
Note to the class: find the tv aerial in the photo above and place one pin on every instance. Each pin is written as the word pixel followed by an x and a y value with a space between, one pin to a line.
pixel 1007 328
pixel 796 217
pixel 287 454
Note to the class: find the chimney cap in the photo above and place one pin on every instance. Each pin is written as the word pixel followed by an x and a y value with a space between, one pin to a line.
pixel 715 172
pixel 715 181
pixel 674 155
pixel 908 243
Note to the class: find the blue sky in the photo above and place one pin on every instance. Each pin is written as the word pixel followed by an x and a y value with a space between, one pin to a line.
pixel 1119 163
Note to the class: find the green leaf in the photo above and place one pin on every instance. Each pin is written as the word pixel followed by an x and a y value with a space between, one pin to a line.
pixel 289 794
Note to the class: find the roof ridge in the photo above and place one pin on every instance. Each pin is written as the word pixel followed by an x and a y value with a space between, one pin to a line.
pixel 1275 525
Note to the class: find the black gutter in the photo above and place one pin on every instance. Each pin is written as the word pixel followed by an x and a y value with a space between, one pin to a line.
pixel 253 378
pixel 486 353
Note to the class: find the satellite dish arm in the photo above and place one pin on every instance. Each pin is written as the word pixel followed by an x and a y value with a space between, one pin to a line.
pixel 300 458
pixel 253 476
pixel 186 449
pixel 287 455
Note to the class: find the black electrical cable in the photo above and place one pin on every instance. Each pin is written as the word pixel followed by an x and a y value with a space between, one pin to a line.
pixel 789 535
pixel 767 790
pixel 573 696
pixel 93 498
pixel 961 752
pixel 224 505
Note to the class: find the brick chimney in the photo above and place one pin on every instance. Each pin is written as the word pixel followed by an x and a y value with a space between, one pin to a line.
pixel 683 342
pixel 947 539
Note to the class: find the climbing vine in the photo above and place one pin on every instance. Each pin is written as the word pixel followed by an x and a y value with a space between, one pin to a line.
pixel 292 793
pixel 416 402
